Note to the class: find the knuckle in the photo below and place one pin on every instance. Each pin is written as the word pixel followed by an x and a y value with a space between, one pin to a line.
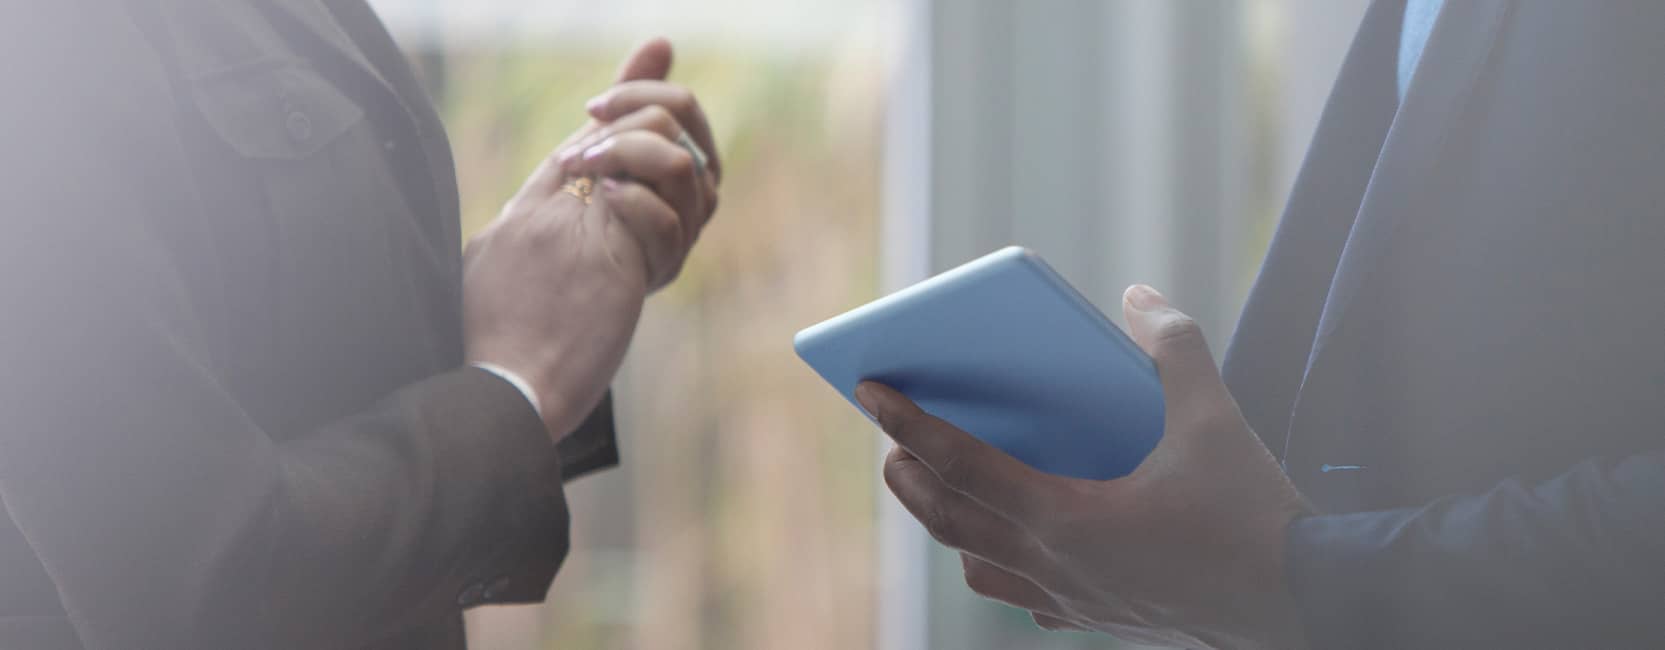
pixel 538 235
pixel 898 421
pixel 1048 623
pixel 902 471
pixel 895 471
pixel 683 99
pixel 1178 331
pixel 660 118
pixel 1025 545
pixel 668 229
pixel 513 206
pixel 954 470
pixel 681 163
pixel 939 521
pixel 672 270
pixel 979 578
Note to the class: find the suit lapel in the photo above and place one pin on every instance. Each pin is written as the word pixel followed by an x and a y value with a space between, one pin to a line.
pixel 1411 158
pixel 1267 359
pixel 315 17
pixel 369 39
pixel 1361 178
pixel 1412 154
pixel 354 34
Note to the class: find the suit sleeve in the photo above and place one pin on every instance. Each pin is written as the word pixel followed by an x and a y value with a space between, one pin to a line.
pixel 1577 561
pixel 163 514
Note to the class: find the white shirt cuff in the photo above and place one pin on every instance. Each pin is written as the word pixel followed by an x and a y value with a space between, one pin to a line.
pixel 519 383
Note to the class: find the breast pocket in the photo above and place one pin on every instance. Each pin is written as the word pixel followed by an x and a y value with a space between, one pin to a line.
pixel 298 161
pixel 313 196
pixel 281 110
pixel 298 143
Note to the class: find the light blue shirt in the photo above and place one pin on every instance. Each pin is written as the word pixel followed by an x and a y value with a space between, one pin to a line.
pixel 1413 35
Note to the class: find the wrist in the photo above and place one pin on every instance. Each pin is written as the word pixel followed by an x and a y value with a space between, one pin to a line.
pixel 1261 612
pixel 1283 625
pixel 545 399
pixel 515 379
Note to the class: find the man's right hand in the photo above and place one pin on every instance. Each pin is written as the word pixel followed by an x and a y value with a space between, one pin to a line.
pixel 1187 551
pixel 553 287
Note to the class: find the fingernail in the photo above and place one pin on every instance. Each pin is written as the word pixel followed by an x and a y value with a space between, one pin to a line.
pixel 609 184
pixel 597 151
pixel 865 394
pixel 595 104
pixel 1144 298
pixel 583 144
pixel 565 158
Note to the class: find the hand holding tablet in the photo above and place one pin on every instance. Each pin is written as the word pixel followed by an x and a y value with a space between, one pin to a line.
pixel 1005 349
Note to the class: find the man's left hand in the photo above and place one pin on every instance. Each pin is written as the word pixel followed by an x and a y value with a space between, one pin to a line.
pixel 1185 551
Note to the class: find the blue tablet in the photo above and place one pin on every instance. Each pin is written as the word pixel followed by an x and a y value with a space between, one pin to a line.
pixel 1007 350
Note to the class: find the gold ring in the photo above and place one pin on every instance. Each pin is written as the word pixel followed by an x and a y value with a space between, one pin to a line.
pixel 580 187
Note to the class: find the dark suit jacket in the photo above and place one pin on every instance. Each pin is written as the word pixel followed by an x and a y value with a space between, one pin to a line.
pixel 1464 300
pixel 233 409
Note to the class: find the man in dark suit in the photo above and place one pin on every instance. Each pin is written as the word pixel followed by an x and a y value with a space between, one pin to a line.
pixel 255 394
pixel 1454 347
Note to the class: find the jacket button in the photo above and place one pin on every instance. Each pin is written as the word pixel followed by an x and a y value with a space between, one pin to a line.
pixel 299 126
pixel 471 595
pixel 497 590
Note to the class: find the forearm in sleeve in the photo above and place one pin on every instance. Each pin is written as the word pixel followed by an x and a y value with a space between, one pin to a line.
pixel 1574 562
pixel 168 520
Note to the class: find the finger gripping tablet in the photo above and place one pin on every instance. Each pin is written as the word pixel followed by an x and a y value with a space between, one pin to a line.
pixel 1005 349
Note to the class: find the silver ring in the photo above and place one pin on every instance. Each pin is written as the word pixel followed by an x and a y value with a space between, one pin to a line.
pixel 700 159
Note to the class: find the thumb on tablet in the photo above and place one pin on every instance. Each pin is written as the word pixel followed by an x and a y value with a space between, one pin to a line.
pixel 1175 342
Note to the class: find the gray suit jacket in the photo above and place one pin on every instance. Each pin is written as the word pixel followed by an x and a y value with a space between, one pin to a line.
pixel 1457 342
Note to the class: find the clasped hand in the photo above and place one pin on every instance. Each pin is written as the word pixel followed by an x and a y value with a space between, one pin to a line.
pixel 553 287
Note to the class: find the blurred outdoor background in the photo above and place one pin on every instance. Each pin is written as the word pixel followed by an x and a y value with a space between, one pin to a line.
pixel 867 143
